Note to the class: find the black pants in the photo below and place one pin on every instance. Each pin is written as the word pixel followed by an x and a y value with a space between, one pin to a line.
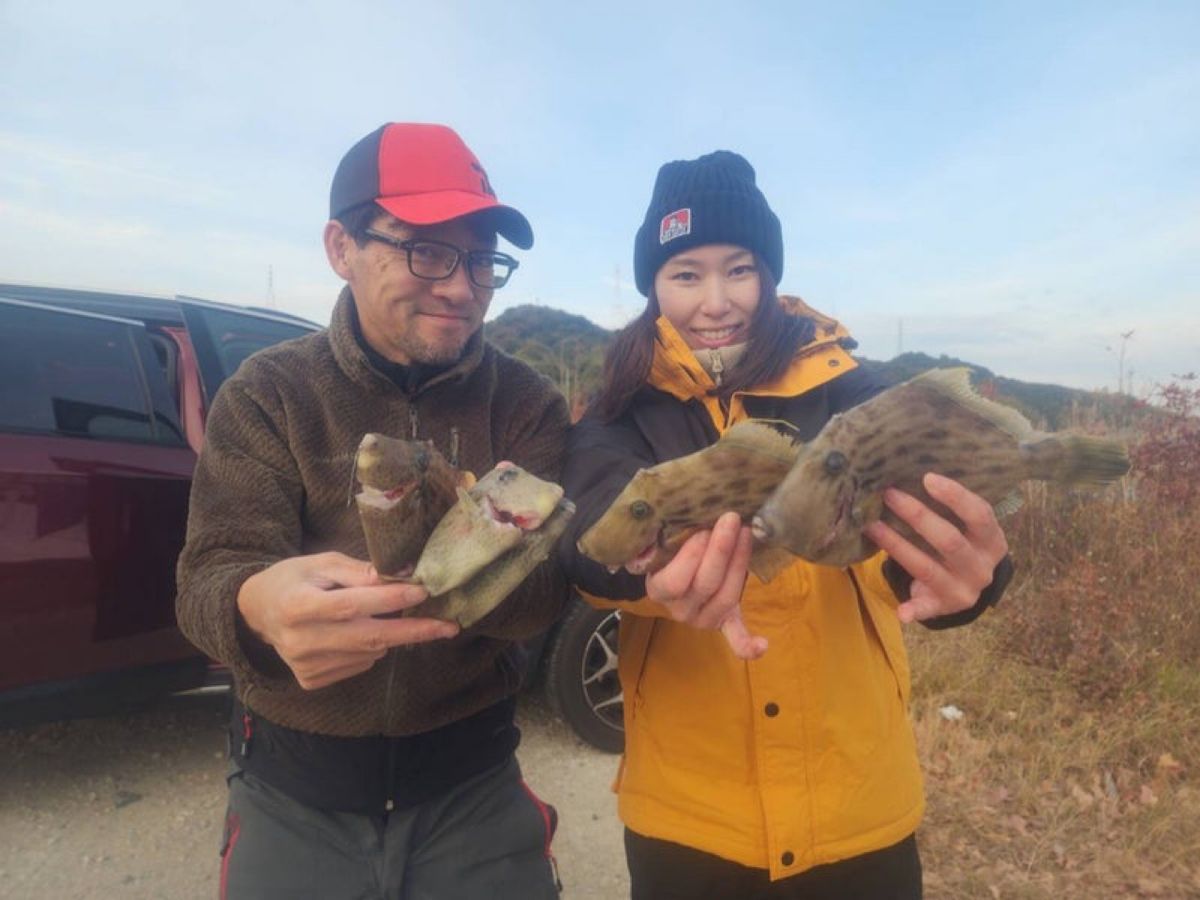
pixel 661 870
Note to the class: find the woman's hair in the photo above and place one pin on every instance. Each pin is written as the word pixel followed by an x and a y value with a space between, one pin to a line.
pixel 774 337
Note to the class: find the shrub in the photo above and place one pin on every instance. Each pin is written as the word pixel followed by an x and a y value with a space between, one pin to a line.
pixel 1107 590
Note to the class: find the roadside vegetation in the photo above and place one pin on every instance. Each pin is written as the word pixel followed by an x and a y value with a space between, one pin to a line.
pixel 1074 769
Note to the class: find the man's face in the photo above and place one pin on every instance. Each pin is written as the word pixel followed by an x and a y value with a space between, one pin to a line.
pixel 405 318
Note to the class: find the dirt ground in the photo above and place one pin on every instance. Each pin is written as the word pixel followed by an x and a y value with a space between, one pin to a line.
pixel 130 806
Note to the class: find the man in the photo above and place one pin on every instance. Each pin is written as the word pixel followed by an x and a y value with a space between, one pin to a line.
pixel 373 754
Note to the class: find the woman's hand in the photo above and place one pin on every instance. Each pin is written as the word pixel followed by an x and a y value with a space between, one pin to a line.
pixel 966 560
pixel 702 585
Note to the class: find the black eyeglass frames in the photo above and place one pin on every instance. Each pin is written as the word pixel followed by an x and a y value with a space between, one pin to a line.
pixel 437 260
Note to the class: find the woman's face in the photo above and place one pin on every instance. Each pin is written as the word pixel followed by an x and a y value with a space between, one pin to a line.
pixel 709 294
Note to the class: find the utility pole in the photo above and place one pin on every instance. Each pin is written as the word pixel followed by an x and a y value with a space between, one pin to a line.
pixel 1125 336
pixel 899 337
pixel 270 287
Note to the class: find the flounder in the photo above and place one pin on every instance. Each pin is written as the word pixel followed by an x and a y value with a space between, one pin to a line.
pixel 934 422
pixel 489 519
pixel 664 505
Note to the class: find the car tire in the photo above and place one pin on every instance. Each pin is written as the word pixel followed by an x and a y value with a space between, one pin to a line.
pixel 581 682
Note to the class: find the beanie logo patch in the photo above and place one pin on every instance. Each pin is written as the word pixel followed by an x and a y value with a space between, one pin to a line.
pixel 674 225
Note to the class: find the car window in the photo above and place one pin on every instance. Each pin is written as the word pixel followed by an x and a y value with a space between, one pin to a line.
pixel 223 339
pixel 71 374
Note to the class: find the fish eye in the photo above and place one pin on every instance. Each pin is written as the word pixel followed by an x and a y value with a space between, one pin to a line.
pixel 506 475
pixel 639 509
pixel 835 462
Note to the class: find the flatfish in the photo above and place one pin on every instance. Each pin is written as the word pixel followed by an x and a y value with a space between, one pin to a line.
pixel 664 505
pixel 934 422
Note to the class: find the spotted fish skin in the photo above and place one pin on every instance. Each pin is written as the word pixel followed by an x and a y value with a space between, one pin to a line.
pixel 934 422
pixel 664 505
pixel 489 519
pixel 407 486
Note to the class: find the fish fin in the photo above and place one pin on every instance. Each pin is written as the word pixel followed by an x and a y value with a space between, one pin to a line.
pixel 466 479
pixel 644 480
pixel 1076 459
pixel 955 383
pixel 767 562
pixel 759 435
pixel 1009 505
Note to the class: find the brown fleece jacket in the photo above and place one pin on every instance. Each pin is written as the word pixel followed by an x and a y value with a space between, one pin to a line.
pixel 273 482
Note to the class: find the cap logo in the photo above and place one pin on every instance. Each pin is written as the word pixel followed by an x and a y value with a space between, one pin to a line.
pixel 484 184
pixel 674 225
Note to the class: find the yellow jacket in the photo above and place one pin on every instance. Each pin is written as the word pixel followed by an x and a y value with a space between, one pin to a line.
pixel 803 757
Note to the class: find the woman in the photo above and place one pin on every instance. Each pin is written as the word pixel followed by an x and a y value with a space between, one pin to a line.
pixel 768 749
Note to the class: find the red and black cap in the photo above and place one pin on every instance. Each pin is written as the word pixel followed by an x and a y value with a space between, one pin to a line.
pixel 422 175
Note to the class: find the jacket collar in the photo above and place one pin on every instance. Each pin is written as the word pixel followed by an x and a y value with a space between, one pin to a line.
pixel 676 371
pixel 353 360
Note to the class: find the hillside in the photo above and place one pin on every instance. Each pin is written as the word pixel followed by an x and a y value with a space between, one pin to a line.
pixel 569 349
pixel 566 348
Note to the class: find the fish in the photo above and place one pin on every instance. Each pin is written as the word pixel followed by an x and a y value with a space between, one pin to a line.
pixel 407 487
pixel 489 519
pixel 473 600
pixel 935 422
pixel 662 506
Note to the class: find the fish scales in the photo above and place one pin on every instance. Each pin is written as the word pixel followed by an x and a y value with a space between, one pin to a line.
pixel 934 422
pixel 662 506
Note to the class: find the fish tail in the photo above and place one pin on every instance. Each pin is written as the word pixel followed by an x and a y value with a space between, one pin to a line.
pixel 1076 459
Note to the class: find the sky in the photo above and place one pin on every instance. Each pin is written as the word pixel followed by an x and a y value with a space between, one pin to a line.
pixel 1014 184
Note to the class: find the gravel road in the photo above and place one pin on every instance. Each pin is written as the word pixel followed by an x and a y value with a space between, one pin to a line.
pixel 130 806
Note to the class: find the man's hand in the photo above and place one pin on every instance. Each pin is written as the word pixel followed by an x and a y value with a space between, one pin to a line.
pixel 319 613
pixel 966 559
pixel 702 585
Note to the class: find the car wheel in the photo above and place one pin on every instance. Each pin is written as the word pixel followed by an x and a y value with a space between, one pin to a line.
pixel 581 676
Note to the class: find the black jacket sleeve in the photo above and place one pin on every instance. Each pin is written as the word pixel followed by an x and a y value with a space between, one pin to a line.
pixel 901 581
pixel 601 459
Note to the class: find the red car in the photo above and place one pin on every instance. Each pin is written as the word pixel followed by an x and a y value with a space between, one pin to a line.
pixel 102 405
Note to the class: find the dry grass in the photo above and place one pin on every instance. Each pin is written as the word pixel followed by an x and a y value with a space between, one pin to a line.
pixel 1075 770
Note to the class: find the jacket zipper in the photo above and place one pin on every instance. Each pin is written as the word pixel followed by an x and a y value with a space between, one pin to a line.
pixel 389 775
pixel 718 365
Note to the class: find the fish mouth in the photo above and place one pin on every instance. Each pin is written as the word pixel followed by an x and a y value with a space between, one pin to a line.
pixel 641 563
pixel 526 521
pixel 386 499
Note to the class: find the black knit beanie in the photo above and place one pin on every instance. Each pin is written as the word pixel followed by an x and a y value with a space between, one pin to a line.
pixel 710 200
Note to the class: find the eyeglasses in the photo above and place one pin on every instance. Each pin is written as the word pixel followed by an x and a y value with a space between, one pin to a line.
pixel 436 261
